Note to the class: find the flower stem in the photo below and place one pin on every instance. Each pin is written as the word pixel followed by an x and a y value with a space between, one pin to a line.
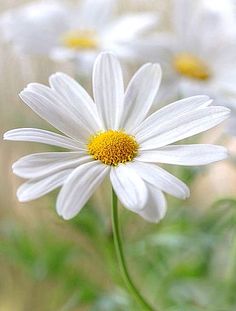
pixel 121 259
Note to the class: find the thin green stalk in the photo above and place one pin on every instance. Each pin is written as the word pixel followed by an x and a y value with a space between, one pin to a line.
pixel 121 259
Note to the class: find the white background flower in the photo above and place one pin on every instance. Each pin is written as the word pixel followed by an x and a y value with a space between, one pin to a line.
pixel 121 117
pixel 198 53
pixel 63 32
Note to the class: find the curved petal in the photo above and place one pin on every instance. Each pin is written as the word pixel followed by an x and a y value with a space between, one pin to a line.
pixel 36 188
pixel 177 108
pixel 180 127
pixel 49 106
pixel 79 187
pixel 77 100
pixel 140 95
pixel 129 187
pixel 44 137
pixel 108 89
pixel 161 179
pixel 199 154
pixel 156 207
pixel 47 163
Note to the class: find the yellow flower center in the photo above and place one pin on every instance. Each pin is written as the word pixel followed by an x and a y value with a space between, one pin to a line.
pixel 80 40
pixel 191 66
pixel 113 147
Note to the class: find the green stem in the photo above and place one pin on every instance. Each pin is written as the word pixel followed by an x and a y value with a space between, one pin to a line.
pixel 121 259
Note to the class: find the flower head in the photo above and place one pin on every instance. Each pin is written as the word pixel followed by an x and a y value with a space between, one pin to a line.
pixel 113 147
pixel 113 135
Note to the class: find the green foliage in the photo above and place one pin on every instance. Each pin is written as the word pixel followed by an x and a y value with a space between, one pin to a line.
pixel 185 263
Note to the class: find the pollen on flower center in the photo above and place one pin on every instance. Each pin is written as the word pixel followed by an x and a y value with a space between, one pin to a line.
pixel 191 66
pixel 113 147
pixel 80 40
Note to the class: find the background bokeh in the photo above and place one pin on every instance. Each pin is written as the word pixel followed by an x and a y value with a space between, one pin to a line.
pixel 185 263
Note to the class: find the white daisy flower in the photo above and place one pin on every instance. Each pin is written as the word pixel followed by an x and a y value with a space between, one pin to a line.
pixel 62 32
pixel 113 136
pixel 199 53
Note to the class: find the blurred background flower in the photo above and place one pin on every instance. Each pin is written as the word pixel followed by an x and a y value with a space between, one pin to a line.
pixel 62 31
pixel 197 51
pixel 187 262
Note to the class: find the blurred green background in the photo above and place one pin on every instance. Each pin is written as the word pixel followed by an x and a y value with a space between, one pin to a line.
pixel 185 263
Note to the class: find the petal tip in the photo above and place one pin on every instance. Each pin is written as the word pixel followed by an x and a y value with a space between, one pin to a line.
pixel 106 55
pixel 66 216
pixel 157 66
pixel 20 197
pixel 57 74
pixel 5 136
pixel 22 94
pixel 186 193
pixel 224 154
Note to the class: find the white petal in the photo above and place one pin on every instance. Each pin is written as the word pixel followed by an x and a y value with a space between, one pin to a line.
pixel 47 163
pixel 44 137
pixel 35 188
pixel 49 106
pixel 140 95
pixel 79 187
pixel 108 89
pixel 199 154
pixel 129 187
pixel 161 179
pixel 95 14
pixel 129 26
pixel 77 100
pixel 158 47
pixel 158 135
pixel 177 108
pixel 183 15
pixel 155 208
